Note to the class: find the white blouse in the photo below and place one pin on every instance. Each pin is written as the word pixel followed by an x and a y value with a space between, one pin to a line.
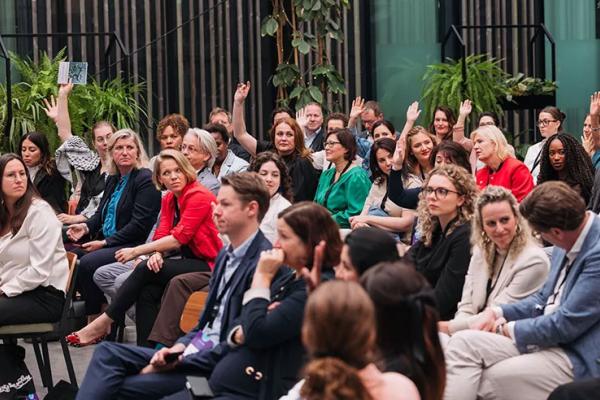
pixel 35 255
pixel 268 226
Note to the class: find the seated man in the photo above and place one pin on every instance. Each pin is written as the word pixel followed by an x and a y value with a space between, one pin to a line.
pixel 130 372
pixel 551 337
pixel 225 162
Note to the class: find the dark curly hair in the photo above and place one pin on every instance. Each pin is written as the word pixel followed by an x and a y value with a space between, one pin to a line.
pixel 285 185
pixel 578 169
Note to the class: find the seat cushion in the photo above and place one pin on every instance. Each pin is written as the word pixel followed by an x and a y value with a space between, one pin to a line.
pixel 26 328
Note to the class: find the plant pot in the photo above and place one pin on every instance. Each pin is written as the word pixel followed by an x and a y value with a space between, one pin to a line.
pixel 529 102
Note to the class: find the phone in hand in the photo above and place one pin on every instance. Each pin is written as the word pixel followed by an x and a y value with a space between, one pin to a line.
pixel 172 357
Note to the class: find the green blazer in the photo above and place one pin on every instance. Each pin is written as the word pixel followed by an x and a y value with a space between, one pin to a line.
pixel 347 196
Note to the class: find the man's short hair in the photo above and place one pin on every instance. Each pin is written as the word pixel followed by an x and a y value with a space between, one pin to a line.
pixel 249 186
pixel 178 122
pixel 218 128
pixel 553 205
pixel 374 106
pixel 282 109
pixel 219 110
pixel 337 116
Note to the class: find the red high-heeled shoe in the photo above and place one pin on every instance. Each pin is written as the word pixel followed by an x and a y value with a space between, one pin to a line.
pixel 74 340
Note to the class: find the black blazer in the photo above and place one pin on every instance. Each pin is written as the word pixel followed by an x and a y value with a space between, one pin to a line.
pixel 93 184
pixel 445 264
pixel 136 212
pixel 203 362
pixel 317 143
pixel 52 188
pixel 272 347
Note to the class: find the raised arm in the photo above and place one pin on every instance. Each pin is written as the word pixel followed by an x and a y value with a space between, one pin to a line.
pixel 458 131
pixel 412 113
pixel 595 117
pixel 247 141
pixel 358 106
pixel 58 111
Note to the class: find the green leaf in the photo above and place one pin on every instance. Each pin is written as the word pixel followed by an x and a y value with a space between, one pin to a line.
pixel 296 92
pixel 303 47
pixel 316 94
pixel 269 26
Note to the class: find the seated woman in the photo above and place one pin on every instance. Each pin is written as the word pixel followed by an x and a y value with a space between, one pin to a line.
pixel 273 171
pixel 267 343
pixel 343 189
pixel 383 129
pixel 445 126
pixel 339 334
pixel 185 228
pixel 33 263
pixel 45 177
pixel 417 163
pixel 379 210
pixel 550 122
pixel 563 158
pixel 501 169
pixel 442 253
pixel 286 139
pixel 506 266
pixel 364 248
pixel 406 318
pixel 200 148
pixel 124 218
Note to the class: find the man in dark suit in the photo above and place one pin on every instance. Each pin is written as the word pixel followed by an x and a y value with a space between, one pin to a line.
pixel 313 130
pixel 130 372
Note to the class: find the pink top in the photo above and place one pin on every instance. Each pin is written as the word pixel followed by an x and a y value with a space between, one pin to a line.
pixel 388 385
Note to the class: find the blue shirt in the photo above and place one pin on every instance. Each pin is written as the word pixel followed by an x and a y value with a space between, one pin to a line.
pixel 596 159
pixel 109 227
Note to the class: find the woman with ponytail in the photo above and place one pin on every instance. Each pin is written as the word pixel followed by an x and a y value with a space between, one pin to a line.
pixel 339 335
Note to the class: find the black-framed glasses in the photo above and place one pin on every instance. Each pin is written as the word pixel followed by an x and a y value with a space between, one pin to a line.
pixel 330 143
pixel 439 192
pixel 545 122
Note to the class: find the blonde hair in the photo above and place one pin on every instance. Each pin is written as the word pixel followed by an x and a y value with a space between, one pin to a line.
pixel 410 161
pixel 495 135
pixel 523 236
pixel 142 157
pixel 465 186
pixel 182 163
pixel 207 144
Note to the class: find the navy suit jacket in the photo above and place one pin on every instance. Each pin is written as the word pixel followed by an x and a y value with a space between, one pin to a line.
pixel 204 361
pixel 575 324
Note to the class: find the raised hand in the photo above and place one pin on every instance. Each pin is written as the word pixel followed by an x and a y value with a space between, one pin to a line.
pixel 595 104
pixel 358 106
pixel 413 112
pixel 65 89
pixel 241 92
pixel 465 108
pixel 301 118
pixel 51 108
pixel 398 157
pixel 313 277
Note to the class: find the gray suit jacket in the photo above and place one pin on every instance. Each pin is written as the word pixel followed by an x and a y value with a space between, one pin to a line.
pixel 575 325
pixel 232 163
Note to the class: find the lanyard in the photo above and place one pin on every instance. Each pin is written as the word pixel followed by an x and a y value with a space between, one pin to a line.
pixel 492 285
pixel 220 294
pixel 554 294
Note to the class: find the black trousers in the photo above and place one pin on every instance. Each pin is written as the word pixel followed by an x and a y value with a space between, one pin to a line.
pixel 42 304
pixel 145 288
pixel 586 389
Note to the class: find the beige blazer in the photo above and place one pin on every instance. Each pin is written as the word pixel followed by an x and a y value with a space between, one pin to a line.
pixel 523 274
pixel 35 256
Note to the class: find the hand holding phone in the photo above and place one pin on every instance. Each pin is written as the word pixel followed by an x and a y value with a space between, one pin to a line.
pixel 172 357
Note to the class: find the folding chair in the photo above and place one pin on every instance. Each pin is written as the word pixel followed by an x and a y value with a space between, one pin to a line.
pixel 40 333
pixel 191 311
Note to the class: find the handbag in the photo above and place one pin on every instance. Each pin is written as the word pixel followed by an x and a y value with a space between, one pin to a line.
pixel 15 380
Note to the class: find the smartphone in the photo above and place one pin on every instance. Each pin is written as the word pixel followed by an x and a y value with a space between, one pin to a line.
pixel 172 357
pixel 199 387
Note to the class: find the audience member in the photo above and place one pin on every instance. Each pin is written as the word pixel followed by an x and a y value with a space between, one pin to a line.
pixel 343 189
pixel 369 113
pixel 310 119
pixel 550 121
pixel 501 169
pixel 33 262
pixel 592 142
pixel 442 252
pixel 200 149
pixel 417 163
pixel 226 161
pixel 564 159
pixel 170 132
pixel 445 126
pixel 185 241
pixel 507 264
pixel 551 336
pixel 383 129
pixel 223 117
pixel 129 372
pixel 273 171
pixel 338 332
pixel 124 217
pixel 406 319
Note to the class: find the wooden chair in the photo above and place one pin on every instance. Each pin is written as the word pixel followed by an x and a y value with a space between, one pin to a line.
pixel 191 311
pixel 40 333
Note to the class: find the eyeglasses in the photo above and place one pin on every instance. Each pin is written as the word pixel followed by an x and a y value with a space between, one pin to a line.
pixel 331 144
pixel 545 122
pixel 439 193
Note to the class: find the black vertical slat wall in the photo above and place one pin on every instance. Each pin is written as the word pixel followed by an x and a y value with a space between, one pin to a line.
pixel 195 67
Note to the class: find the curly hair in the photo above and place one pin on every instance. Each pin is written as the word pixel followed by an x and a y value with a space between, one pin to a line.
pixel 491 195
pixel 579 170
pixel 178 122
pixel 465 186
pixel 410 161
pixel 285 185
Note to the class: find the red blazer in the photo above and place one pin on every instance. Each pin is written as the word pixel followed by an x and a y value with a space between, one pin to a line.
pixel 512 174
pixel 195 227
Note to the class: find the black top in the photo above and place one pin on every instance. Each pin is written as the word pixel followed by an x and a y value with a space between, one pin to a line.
pixel 445 264
pixel 317 143
pixel 92 185
pixel 305 177
pixel 238 150
pixel 136 211
pixel 407 198
pixel 594 202
pixel 52 188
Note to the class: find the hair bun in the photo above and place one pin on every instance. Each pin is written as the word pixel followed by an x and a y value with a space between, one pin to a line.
pixel 330 378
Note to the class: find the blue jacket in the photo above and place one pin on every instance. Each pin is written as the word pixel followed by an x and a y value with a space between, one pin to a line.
pixel 203 362
pixel 575 325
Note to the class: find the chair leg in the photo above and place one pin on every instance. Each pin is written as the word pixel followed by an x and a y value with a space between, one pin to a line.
pixel 48 367
pixel 40 361
pixel 68 362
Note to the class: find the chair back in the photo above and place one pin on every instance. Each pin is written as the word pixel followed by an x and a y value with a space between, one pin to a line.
pixel 72 260
pixel 191 311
